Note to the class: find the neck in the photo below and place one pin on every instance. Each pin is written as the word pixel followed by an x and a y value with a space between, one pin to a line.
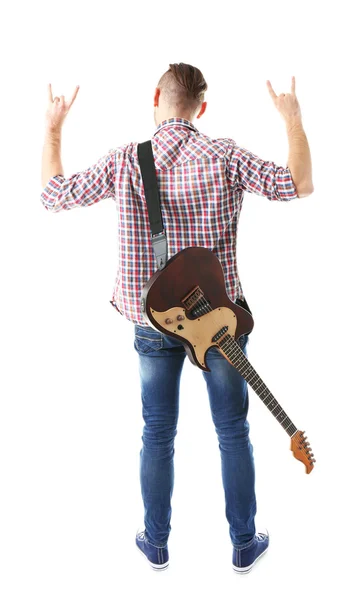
pixel 174 116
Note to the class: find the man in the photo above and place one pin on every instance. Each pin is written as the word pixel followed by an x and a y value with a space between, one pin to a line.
pixel 201 183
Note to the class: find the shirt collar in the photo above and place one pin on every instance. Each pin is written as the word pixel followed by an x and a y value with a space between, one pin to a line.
pixel 176 121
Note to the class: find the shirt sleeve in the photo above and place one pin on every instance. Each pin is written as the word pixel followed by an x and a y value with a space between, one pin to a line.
pixel 248 172
pixel 82 189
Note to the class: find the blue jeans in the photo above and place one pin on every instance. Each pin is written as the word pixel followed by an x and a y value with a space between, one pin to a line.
pixel 161 359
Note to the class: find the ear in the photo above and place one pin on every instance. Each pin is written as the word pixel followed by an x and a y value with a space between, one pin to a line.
pixel 202 110
pixel 156 96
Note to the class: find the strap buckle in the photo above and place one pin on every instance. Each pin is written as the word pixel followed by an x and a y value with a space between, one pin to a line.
pixel 159 244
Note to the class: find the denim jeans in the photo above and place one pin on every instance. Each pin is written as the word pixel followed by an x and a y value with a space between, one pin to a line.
pixel 161 359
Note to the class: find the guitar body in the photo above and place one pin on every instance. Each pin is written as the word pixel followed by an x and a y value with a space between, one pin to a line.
pixel 168 306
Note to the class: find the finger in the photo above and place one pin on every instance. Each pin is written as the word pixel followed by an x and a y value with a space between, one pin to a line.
pixel 50 94
pixel 74 95
pixel 271 91
pixel 293 85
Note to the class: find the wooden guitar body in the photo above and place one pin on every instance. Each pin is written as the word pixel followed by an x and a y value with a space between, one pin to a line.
pixel 163 296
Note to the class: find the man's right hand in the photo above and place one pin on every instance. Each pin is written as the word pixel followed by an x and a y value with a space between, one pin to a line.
pixel 299 161
pixel 287 104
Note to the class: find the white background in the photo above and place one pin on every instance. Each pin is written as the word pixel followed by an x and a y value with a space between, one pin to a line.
pixel 71 421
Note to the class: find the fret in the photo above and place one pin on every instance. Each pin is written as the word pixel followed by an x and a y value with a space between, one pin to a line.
pixel 280 410
pixel 239 360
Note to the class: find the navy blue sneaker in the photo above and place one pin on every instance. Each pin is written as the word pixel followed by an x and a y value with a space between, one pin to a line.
pixel 243 559
pixel 157 558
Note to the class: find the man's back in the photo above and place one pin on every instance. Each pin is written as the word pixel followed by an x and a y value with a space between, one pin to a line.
pixel 201 184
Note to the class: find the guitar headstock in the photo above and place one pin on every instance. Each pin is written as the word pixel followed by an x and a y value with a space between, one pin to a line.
pixel 301 450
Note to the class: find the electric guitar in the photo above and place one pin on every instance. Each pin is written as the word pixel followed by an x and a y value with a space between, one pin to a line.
pixel 187 300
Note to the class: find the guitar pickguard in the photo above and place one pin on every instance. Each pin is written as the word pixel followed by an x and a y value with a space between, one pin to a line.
pixel 200 331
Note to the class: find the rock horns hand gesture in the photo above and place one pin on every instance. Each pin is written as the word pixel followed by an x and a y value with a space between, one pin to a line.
pixel 58 109
pixel 287 104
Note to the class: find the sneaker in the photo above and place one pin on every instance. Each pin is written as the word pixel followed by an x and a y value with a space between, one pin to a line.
pixel 244 558
pixel 157 558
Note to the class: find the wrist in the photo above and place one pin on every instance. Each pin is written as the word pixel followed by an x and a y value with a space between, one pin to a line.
pixel 293 122
pixel 53 132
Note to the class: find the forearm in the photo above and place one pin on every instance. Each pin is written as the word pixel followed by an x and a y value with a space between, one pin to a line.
pixel 299 161
pixel 51 160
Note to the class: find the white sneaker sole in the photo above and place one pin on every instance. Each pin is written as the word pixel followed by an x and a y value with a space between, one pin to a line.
pixel 244 570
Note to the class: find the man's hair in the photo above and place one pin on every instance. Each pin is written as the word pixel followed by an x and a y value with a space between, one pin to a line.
pixel 183 87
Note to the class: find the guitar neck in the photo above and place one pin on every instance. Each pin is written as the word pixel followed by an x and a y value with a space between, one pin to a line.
pixel 238 359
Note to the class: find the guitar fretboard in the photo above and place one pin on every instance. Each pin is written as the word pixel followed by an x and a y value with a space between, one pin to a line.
pixel 240 361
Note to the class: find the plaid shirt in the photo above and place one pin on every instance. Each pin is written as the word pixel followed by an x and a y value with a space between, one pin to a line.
pixel 201 184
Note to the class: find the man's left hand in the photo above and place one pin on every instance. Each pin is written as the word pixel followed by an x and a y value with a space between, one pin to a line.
pixel 58 109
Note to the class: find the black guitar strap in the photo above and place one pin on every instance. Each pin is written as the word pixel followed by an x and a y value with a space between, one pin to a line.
pixel 158 235
pixel 148 173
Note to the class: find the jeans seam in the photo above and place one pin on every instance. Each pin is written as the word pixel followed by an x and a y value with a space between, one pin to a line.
pixel 158 547
pixel 238 547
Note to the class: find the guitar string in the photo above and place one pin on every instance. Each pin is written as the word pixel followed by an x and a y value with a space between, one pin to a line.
pixel 243 365
pixel 204 304
pixel 243 359
pixel 239 355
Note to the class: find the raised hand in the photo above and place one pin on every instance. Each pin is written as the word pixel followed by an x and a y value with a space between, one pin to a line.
pixel 58 108
pixel 287 104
